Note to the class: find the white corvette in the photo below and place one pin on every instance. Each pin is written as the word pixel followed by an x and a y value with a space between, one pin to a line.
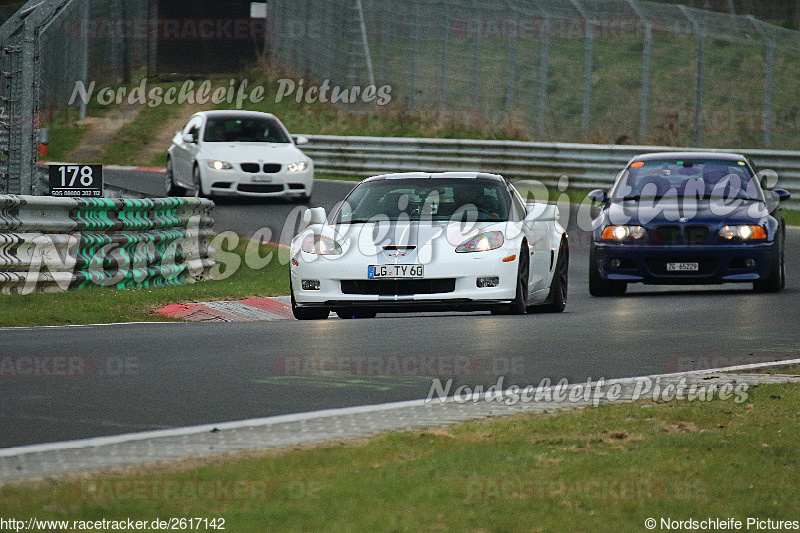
pixel 460 241
pixel 248 153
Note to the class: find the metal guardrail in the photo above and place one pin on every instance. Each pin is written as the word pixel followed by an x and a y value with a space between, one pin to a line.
pixel 588 166
pixel 54 244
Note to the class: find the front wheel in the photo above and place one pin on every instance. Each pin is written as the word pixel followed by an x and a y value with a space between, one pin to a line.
pixel 557 298
pixel 776 280
pixel 599 286
pixel 197 183
pixel 518 306
pixel 169 181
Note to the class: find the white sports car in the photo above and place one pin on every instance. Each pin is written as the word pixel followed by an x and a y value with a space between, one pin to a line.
pixel 460 241
pixel 248 153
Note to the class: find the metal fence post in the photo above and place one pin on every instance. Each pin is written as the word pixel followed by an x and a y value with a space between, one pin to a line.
pixel 586 117
pixel 769 79
pixel 476 66
pixel 445 43
pixel 412 96
pixel 543 76
pixel 512 72
pixel 647 43
pixel 30 80
pixel 698 99
pixel 367 55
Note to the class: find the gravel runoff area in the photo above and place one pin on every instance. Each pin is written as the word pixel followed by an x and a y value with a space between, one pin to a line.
pixel 147 448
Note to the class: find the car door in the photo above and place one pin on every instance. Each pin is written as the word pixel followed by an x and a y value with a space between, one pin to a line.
pixel 185 153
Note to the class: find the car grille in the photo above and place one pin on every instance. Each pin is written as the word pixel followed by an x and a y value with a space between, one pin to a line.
pixel 259 188
pixel 658 266
pixel 272 168
pixel 267 168
pixel 398 287
pixel 672 234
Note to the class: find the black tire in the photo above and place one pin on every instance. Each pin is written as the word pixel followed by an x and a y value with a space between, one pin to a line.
pixel 356 312
pixel 519 306
pixel 169 181
pixel 776 280
pixel 557 298
pixel 307 313
pixel 303 199
pixel 197 187
pixel 599 286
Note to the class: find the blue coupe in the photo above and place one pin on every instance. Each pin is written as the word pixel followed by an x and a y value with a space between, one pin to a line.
pixel 687 218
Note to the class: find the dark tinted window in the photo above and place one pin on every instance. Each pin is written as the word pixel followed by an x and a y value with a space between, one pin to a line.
pixel 427 199
pixel 695 178
pixel 244 129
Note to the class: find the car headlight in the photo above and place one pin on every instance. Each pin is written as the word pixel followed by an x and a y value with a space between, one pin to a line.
pixel 744 232
pixel 620 233
pixel 219 165
pixel 297 167
pixel 320 244
pixel 483 242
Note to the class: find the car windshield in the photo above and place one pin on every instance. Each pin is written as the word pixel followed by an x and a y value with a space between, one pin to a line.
pixel 700 179
pixel 244 129
pixel 437 199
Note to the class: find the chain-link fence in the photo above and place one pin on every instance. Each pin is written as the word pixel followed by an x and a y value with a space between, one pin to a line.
pixel 601 71
pixel 48 48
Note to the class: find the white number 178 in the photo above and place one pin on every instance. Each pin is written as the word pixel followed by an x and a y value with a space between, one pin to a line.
pixel 73 173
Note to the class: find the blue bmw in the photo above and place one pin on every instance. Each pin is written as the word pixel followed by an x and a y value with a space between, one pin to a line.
pixel 687 218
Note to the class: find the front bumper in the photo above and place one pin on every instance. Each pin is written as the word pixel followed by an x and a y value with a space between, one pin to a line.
pixel 236 182
pixel 449 283
pixel 717 263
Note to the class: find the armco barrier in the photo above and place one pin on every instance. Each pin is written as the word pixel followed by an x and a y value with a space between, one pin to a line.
pixel 51 244
pixel 587 166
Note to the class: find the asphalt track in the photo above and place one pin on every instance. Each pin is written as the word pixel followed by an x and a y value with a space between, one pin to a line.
pixel 136 377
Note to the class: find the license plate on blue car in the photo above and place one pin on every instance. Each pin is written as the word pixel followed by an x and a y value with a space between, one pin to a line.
pixel 394 271
pixel 683 267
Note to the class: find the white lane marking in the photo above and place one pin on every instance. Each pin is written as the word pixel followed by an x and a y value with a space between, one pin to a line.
pixel 86 325
pixel 325 413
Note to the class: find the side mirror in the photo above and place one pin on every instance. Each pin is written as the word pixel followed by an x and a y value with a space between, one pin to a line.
pixel 781 195
pixel 300 139
pixel 315 215
pixel 189 138
pixel 598 196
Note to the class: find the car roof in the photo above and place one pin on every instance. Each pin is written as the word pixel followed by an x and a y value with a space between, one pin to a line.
pixel 226 113
pixel 437 175
pixel 718 156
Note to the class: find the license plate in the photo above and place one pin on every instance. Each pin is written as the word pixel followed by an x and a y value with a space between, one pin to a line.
pixel 683 267
pixel 261 179
pixel 394 271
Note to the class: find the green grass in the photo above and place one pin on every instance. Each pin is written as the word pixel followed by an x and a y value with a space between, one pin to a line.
pixel 778 369
pixel 127 144
pixel 581 470
pixel 103 305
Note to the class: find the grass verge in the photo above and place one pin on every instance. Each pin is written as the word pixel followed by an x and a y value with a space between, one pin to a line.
pixel 579 470
pixel 779 369
pixel 104 305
